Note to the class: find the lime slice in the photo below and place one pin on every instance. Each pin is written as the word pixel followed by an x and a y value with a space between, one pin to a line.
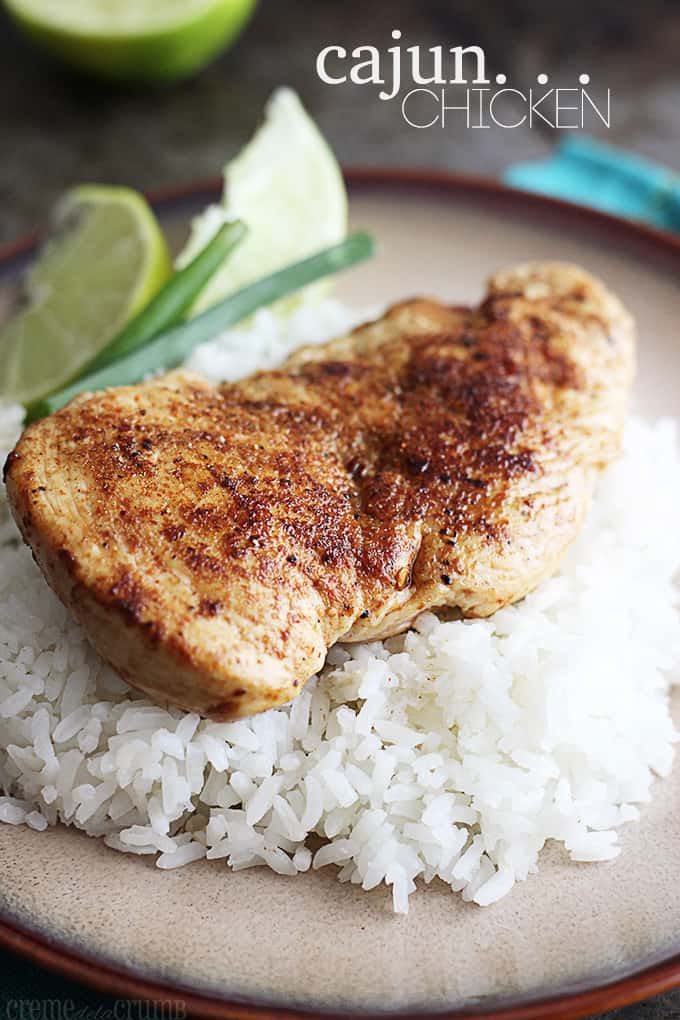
pixel 133 40
pixel 104 261
pixel 287 186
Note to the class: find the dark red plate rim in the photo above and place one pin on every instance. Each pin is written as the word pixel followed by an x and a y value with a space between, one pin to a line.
pixel 112 979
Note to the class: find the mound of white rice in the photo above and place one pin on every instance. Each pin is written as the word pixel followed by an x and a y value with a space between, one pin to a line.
pixel 454 751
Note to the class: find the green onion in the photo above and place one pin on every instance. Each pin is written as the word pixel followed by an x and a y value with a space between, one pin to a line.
pixel 168 306
pixel 170 349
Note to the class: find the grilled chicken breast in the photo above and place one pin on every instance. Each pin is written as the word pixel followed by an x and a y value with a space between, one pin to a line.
pixel 214 542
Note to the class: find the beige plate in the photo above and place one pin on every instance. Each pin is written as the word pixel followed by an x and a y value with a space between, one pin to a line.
pixel 310 942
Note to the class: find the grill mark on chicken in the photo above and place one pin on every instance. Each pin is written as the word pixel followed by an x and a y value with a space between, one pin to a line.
pixel 215 541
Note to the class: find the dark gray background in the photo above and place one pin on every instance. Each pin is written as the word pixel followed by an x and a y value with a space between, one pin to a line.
pixel 56 130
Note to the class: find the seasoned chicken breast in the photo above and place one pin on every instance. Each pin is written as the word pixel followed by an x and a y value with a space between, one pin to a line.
pixel 214 542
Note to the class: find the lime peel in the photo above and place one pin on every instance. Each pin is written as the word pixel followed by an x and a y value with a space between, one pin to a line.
pixel 105 260
pixel 133 40
pixel 286 184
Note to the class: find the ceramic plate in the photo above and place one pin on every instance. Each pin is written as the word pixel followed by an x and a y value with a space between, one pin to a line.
pixel 583 936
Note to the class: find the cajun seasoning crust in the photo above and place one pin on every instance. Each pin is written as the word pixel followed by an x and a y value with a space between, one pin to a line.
pixel 215 542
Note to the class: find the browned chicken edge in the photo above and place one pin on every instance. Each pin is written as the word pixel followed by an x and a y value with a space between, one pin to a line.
pixel 214 542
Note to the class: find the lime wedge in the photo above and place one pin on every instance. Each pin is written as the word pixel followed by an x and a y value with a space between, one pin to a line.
pixel 105 259
pixel 287 186
pixel 133 40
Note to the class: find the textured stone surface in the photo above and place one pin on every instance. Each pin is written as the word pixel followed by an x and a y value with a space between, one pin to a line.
pixel 55 130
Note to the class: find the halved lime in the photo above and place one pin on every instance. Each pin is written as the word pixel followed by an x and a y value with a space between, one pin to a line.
pixel 133 40
pixel 287 186
pixel 105 260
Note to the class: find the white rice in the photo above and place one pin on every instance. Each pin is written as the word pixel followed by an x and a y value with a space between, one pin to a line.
pixel 454 751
